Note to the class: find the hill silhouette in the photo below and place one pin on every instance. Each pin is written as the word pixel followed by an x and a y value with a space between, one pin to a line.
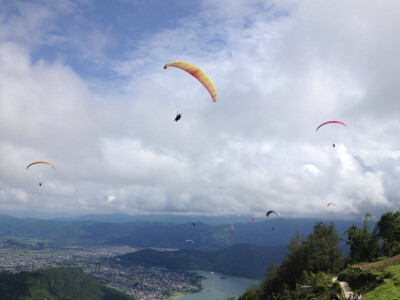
pixel 243 260
pixel 55 283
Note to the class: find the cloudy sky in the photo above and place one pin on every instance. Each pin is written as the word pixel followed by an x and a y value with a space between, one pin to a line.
pixel 82 85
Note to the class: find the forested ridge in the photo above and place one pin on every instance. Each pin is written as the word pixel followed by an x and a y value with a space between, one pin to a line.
pixel 312 261
pixel 54 284
pixel 242 260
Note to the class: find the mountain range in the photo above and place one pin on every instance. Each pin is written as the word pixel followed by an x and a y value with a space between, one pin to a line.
pixel 159 234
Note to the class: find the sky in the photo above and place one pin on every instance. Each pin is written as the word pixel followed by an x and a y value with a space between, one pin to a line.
pixel 82 85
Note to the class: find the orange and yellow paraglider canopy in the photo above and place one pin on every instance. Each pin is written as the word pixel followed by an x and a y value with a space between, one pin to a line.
pixel 198 74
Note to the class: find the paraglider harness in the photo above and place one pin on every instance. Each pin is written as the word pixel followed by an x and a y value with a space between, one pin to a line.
pixel 178 116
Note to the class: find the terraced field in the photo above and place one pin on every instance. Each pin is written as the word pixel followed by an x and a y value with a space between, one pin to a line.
pixel 380 264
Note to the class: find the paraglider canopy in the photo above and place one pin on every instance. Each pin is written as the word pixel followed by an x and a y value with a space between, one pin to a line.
pixel 272 212
pixel 330 122
pixel 198 74
pixel 330 203
pixel 230 228
pixel 40 162
pixel 189 241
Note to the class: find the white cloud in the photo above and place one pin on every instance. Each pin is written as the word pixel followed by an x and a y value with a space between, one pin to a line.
pixel 281 68
pixel 313 170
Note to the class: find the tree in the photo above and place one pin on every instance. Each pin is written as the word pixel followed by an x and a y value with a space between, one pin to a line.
pixel 324 252
pixel 363 243
pixel 388 229
pixel 318 253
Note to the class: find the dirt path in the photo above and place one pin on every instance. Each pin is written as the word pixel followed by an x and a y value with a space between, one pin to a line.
pixel 380 264
pixel 346 290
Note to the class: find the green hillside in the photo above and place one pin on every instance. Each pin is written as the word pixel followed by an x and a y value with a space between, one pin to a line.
pixel 55 283
pixel 313 261
pixel 389 288
pixel 243 260
pixel 379 282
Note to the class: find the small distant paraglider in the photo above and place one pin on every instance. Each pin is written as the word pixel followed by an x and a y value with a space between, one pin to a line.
pixel 331 122
pixel 272 212
pixel 253 220
pixel 41 162
pixel 331 204
pixel 194 224
pixel 189 242
pixel 230 228
pixel 178 117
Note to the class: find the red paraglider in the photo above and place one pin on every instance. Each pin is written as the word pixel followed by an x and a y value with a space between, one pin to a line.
pixel 329 122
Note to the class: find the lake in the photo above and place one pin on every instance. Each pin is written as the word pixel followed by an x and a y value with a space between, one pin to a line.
pixel 216 288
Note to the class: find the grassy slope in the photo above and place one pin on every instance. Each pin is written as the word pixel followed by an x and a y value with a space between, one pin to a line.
pixel 390 288
pixel 377 280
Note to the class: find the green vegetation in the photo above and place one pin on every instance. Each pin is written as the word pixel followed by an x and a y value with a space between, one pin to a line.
pixel 239 260
pixel 390 287
pixel 55 283
pixel 309 263
pixel 382 283
pixel 388 229
pixel 313 261
pixel 28 244
pixel 363 243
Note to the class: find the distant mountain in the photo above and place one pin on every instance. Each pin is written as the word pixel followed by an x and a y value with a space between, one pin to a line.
pixel 164 218
pixel 56 283
pixel 242 260
pixel 40 214
pixel 159 234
